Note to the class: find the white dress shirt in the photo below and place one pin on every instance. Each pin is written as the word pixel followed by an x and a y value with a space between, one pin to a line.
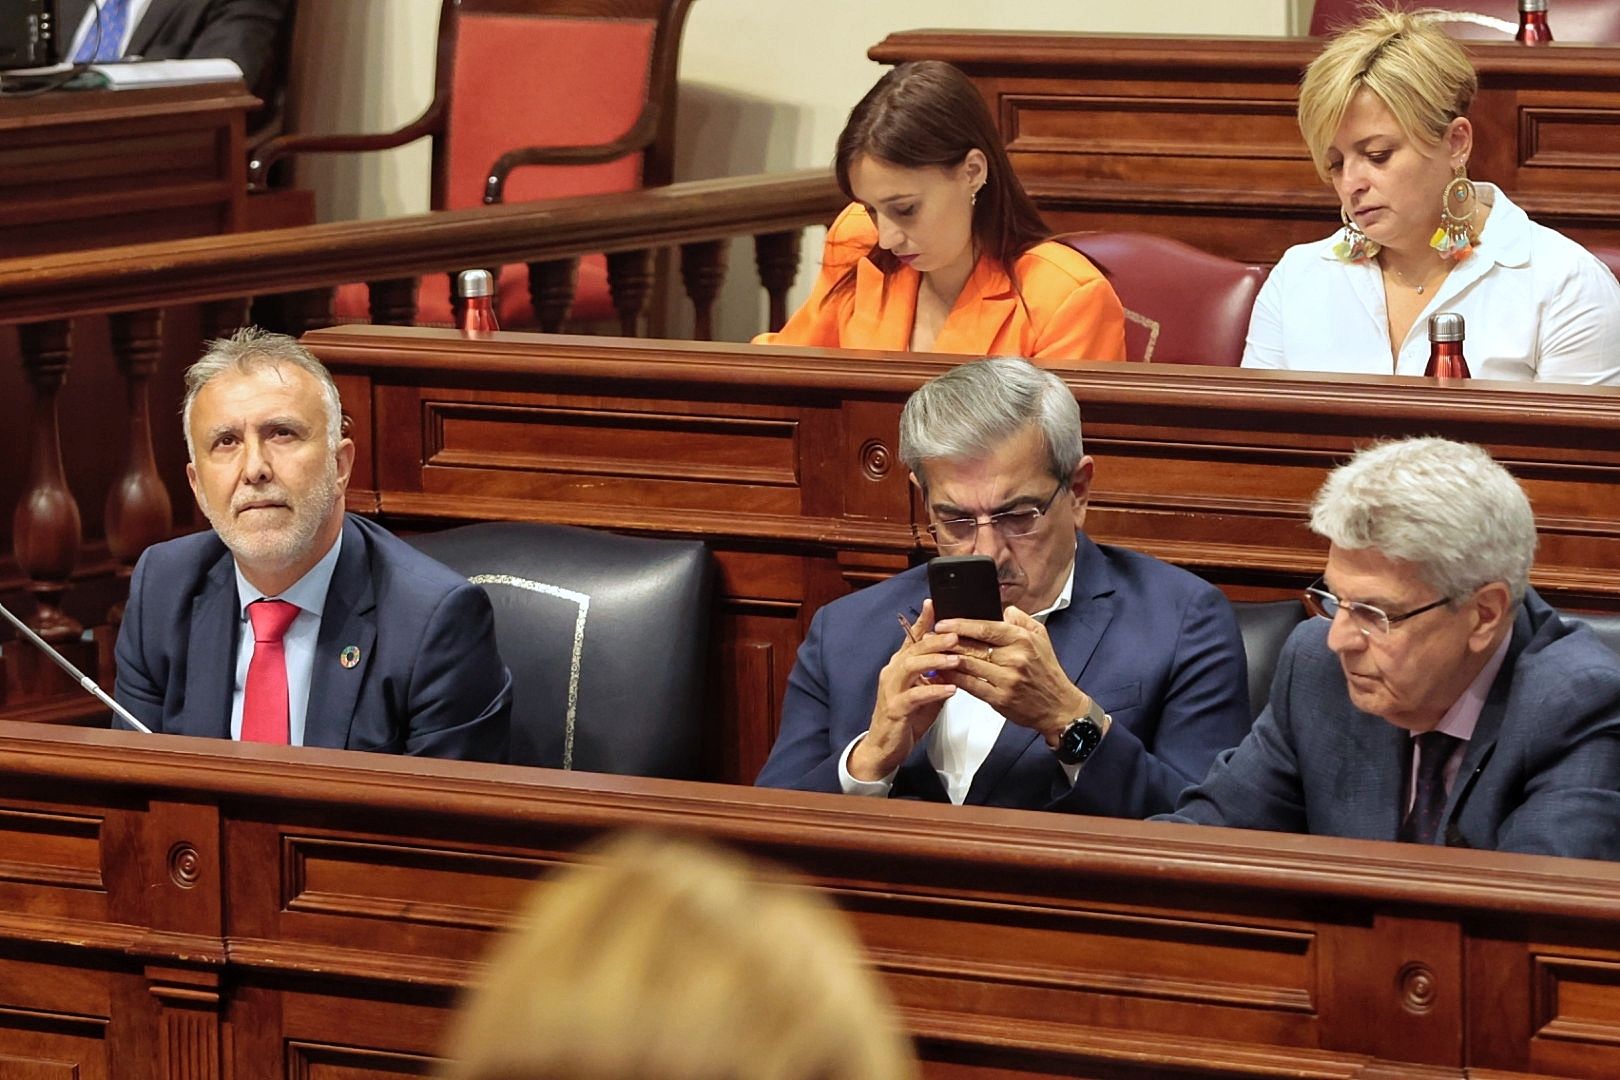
pixel 1536 305
pixel 308 594
pixel 963 735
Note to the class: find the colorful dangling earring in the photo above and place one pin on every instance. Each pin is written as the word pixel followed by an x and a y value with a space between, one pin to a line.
pixel 1354 245
pixel 1455 237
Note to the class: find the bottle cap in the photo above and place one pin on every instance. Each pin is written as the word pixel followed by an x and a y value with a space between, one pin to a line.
pixel 470 283
pixel 1526 6
pixel 1445 326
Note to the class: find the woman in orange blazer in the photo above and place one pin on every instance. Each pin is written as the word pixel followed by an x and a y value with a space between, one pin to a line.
pixel 942 250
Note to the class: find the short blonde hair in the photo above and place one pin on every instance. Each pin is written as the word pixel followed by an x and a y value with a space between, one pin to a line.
pixel 1406 60
pixel 663 959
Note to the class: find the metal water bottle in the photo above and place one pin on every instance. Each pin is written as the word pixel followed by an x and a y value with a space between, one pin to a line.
pixel 1533 28
pixel 477 290
pixel 1446 347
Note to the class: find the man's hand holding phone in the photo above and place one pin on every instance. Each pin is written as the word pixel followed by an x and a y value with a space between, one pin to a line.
pixel 911 689
pixel 1011 666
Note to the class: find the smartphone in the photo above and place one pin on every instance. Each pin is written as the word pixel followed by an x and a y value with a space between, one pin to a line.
pixel 964 587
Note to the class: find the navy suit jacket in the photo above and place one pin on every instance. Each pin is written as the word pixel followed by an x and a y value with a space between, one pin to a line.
pixel 1156 646
pixel 430 680
pixel 251 32
pixel 1541 773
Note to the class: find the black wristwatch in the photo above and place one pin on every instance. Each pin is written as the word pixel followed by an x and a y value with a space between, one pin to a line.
pixel 1080 739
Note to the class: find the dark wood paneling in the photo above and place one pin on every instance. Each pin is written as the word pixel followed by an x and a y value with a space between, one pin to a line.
pixel 358 891
pixel 1195 137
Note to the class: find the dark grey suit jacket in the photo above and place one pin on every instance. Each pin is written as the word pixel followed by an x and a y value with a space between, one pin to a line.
pixel 1540 775
pixel 429 679
pixel 251 32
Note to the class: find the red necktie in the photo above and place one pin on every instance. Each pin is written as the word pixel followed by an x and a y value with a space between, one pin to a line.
pixel 264 698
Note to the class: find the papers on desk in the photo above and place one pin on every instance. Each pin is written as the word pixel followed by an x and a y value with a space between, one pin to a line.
pixel 133 74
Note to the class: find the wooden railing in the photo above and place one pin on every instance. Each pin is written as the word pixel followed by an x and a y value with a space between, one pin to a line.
pixel 292 274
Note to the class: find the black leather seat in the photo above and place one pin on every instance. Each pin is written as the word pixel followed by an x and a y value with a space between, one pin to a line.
pixel 1265 625
pixel 607 638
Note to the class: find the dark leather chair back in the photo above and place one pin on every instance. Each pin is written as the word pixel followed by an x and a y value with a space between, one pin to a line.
pixel 1607 627
pixel 1182 305
pixel 607 638
pixel 1265 625
pixel 1589 21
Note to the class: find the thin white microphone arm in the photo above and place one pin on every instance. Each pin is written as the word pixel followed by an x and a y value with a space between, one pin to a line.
pixel 80 677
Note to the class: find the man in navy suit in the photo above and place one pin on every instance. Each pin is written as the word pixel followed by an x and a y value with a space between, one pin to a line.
pixel 1436 699
pixel 1111 683
pixel 292 622
pixel 252 33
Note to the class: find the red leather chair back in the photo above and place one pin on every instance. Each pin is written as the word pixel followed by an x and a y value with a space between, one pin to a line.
pixel 1590 21
pixel 1182 305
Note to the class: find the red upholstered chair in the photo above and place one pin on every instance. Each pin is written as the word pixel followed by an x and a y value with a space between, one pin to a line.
pixel 1182 305
pixel 535 99
pixel 1489 20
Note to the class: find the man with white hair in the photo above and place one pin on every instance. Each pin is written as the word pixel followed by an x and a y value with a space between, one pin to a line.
pixel 292 622
pixel 1435 698
pixel 1110 683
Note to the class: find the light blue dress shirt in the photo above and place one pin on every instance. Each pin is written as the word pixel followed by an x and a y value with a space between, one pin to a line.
pixel 308 594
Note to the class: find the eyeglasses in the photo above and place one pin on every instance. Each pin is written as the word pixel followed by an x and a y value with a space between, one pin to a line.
pixel 1371 621
pixel 1009 523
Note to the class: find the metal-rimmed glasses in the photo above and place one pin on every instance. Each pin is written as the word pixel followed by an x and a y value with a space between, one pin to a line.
pixel 955 532
pixel 1371 621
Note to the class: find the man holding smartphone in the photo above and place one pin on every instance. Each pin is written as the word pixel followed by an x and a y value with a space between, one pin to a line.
pixel 1109 684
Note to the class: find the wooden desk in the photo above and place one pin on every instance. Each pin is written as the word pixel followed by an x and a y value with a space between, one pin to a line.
pixel 96 168
pixel 1196 137
pixel 186 908
pixel 786 462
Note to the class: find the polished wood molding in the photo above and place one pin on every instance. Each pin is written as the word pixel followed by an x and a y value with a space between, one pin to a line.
pixel 286 260
pixel 331 904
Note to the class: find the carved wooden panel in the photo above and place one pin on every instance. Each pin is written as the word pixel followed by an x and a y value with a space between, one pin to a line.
pixel 1195 137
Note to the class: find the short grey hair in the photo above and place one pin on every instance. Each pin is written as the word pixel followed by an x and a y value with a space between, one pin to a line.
pixel 250 348
pixel 970 410
pixel 1445 507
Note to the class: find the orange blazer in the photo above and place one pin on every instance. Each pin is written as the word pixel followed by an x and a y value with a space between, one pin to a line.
pixel 1068 311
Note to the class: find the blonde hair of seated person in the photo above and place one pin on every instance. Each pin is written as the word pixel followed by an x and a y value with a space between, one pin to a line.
pixel 665 959
pixel 1406 60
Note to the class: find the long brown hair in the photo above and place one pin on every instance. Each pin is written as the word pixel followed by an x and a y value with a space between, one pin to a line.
pixel 927 113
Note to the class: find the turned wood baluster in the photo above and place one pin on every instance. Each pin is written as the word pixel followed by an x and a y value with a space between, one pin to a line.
pixel 393 301
pixel 222 318
pixel 45 528
pixel 630 280
pixel 138 512
pixel 777 255
pixel 551 291
pixel 703 271
pixel 297 313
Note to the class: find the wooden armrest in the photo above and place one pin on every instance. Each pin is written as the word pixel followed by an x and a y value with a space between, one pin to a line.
pixel 638 138
pixel 268 153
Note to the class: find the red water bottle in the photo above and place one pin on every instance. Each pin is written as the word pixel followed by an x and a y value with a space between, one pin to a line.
pixel 477 291
pixel 1446 347
pixel 1533 28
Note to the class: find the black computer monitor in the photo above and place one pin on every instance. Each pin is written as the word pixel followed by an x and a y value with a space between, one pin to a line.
pixel 29 35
